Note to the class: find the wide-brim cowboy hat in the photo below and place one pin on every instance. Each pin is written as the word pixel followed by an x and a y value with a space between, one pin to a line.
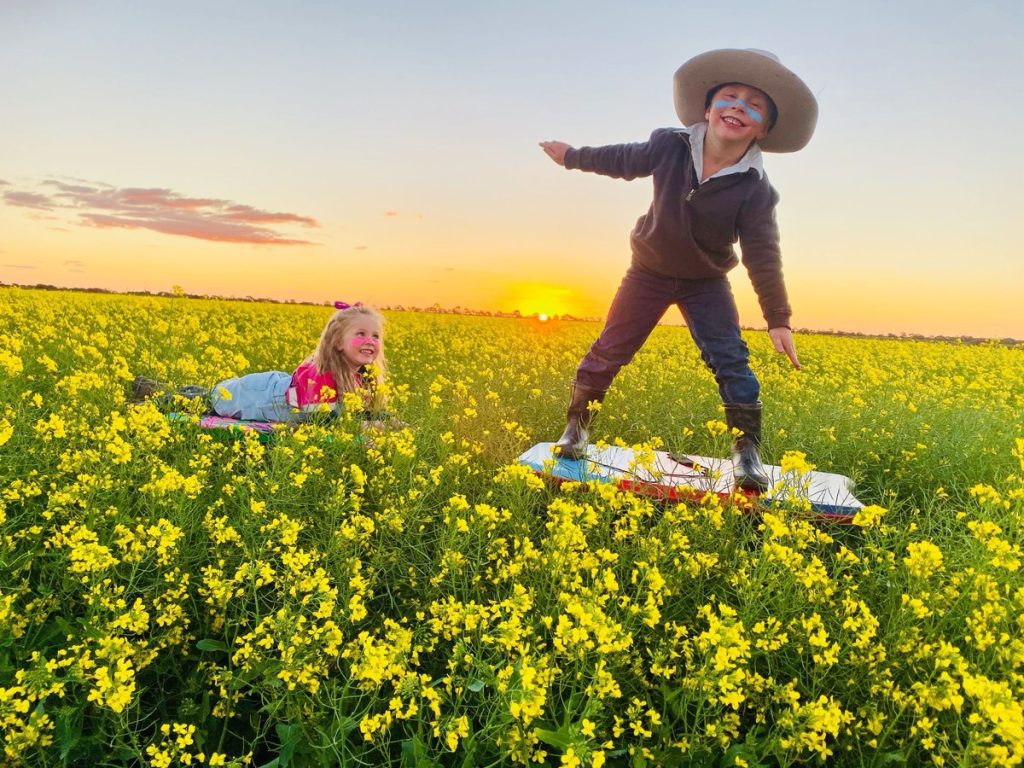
pixel 796 105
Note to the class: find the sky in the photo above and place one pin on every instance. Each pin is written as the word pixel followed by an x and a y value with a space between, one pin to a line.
pixel 388 152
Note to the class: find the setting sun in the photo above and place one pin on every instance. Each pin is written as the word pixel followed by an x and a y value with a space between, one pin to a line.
pixel 541 299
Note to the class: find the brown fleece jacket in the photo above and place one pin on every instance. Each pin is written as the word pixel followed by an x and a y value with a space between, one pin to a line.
pixel 690 229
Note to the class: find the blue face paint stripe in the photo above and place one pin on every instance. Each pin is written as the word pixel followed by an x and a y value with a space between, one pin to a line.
pixel 756 116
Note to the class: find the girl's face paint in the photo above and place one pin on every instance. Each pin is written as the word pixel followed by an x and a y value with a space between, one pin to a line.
pixel 361 345
pixel 752 113
pixel 358 343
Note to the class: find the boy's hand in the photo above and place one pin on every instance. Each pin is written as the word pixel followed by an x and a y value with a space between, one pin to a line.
pixel 782 338
pixel 556 150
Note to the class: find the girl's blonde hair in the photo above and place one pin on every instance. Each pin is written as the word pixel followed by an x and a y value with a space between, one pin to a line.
pixel 328 356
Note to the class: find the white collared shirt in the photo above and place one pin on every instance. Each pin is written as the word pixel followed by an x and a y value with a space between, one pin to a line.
pixel 752 159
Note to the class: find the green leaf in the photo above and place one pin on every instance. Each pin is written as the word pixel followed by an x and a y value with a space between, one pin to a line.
pixel 558 738
pixel 476 686
pixel 69 732
pixel 290 736
pixel 265 668
pixel 414 754
pixel 409 753
pixel 743 751
pixel 208 644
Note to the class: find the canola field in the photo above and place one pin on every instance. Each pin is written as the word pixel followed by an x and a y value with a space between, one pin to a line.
pixel 412 597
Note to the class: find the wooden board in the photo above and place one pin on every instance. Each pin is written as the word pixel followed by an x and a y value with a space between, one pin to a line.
pixel 679 477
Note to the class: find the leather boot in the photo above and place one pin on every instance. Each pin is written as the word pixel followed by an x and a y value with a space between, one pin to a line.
pixel 143 388
pixel 748 470
pixel 573 442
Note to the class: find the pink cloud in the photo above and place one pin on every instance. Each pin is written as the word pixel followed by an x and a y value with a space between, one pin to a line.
pixel 250 214
pixel 163 210
pixel 218 231
pixel 28 200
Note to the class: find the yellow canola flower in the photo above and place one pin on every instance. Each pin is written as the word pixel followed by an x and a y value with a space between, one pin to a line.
pixel 86 553
pixel 796 462
pixel 716 427
pixel 112 670
pixel 810 726
pixel 564 597
pixel 10 363
pixel 923 559
pixel 869 516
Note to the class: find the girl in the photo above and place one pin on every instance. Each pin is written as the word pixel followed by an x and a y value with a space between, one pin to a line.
pixel 352 341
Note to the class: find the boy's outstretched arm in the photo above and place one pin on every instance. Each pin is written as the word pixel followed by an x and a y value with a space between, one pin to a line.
pixel 556 150
pixel 782 338
pixel 619 161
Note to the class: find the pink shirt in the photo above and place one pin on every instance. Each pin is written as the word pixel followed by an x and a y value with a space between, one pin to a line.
pixel 307 391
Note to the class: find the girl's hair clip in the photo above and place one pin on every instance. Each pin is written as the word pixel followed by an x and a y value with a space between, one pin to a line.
pixel 346 305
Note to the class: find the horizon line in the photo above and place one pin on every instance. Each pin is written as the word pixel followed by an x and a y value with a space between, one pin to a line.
pixel 514 314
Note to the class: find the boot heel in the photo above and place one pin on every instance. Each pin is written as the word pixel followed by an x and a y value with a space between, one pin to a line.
pixel 573 442
pixel 748 471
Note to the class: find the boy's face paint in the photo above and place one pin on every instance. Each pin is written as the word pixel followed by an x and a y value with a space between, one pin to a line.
pixel 736 113
pixel 754 114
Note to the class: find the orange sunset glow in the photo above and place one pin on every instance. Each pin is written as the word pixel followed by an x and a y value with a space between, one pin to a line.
pixel 391 156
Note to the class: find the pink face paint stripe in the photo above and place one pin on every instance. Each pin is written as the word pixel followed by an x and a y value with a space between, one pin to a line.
pixel 357 342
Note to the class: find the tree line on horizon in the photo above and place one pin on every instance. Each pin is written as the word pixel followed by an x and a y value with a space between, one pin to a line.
pixel 177 292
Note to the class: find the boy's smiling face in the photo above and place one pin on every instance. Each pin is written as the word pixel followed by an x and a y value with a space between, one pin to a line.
pixel 739 112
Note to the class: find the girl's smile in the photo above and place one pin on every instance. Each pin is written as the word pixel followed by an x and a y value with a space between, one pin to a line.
pixel 361 343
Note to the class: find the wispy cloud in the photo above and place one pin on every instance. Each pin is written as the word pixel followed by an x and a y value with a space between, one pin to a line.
pixel 163 210
pixel 390 213
pixel 19 266
pixel 28 200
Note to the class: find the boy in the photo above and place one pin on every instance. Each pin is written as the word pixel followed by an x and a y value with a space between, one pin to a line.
pixel 709 190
